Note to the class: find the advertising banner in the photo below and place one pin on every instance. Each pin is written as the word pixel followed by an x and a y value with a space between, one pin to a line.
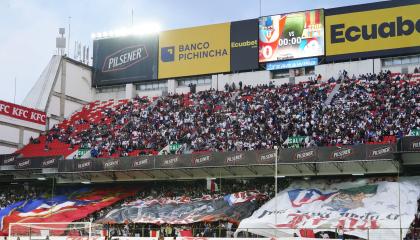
pixel 194 51
pixel 372 30
pixel 291 36
pixel 7 159
pixel 124 60
pixel 184 210
pixel 366 208
pixel 409 144
pixel 37 162
pixel 22 113
pixel 292 64
pixel 244 45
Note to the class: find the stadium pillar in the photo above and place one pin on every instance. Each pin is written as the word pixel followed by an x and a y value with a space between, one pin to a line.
pixel 129 91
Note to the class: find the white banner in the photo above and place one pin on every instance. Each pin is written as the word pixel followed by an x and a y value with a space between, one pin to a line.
pixel 367 208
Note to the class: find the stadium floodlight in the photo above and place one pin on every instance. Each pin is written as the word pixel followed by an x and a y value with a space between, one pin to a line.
pixel 358 174
pixel 85 182
pixel 105 34
pixel 281 176
pixel 145 29
pixel 99 35
pixel 41 179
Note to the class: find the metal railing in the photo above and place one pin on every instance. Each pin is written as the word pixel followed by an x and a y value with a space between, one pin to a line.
pixel 322 233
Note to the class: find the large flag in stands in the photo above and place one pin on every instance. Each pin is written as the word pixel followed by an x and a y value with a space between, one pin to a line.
pixel 66 206
pixel 184 210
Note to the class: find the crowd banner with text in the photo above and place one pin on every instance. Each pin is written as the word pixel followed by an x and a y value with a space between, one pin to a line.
pixel 124 60
pixel 372 30
pixel 194 51
pixel 244 45
pixel 369 208
pixel 291 36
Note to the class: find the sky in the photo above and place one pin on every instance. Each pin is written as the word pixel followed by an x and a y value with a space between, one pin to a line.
pixel 28 28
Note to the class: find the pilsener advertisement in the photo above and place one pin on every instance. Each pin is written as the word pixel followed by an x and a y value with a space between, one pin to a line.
pixel 291 36
pixel 125 60
pixel 194 51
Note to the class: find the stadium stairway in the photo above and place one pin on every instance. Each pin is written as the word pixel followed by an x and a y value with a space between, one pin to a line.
pixel 332 94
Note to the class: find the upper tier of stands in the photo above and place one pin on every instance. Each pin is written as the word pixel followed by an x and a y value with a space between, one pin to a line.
pixel 370 109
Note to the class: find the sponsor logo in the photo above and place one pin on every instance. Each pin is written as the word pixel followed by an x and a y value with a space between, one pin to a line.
pixel 200 160
pixel 23 113
pixel 191 51
pixel 252 44
pixel 302 155
pixel 84 165
pixel 167 54
pixel 170 162
pixel 24 163
pixel 111 164
pixel 380 151
pixel 415 145
pixel 48 162
pixel 8 161
pixel 141 162
pixel 267 157
pixel 233 159
pixel 125 58
pixel 400 27
pixel 341 153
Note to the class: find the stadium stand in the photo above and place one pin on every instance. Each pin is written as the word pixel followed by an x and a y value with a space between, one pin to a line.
pixel 251 118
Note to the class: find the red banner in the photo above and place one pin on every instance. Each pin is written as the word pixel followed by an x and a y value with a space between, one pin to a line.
pixel 22 113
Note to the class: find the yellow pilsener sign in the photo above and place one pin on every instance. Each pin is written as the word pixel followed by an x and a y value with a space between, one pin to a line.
pixel 194 51
pixel 373 30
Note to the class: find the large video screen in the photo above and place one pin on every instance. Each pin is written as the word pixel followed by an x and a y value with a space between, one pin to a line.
pixel 291 36
pixel 124 60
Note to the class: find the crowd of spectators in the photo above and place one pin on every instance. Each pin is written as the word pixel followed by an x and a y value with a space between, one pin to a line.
pixel 367 108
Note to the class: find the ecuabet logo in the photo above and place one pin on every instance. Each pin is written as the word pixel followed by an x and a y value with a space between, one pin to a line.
pixel 167 54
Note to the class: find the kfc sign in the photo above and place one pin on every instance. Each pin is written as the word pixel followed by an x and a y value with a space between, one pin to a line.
pixel 22 113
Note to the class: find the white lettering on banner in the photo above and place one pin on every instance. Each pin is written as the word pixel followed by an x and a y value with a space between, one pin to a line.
pixel 48 162
pixel 306 154
pixel 140 162
pixel 23 113
pixel 366 206
pixel 170 161
pixel 83 165
pixel 24 163
pixel 416 145
pixel 201 160
pixel 234 158
pixel 342 153
pixel 4 108
pixel 381 151
pixel 111 163
pixel 125 58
